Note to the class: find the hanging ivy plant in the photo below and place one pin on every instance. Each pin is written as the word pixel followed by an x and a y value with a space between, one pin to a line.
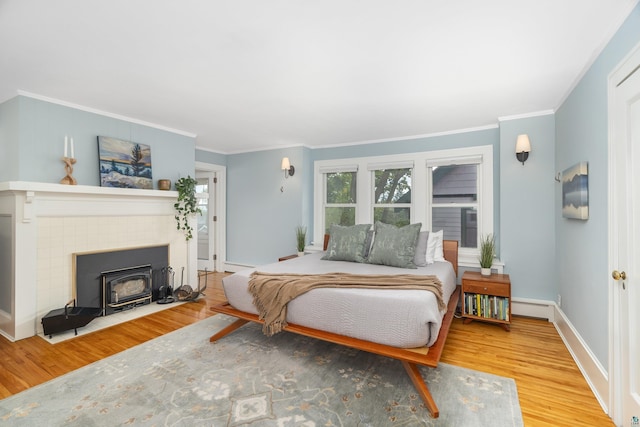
pixel 186 205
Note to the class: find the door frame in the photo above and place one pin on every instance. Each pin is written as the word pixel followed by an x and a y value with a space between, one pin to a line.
pixel 625 68
pixel 220 203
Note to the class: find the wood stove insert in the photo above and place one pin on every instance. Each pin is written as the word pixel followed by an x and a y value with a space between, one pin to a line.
pixel 126 288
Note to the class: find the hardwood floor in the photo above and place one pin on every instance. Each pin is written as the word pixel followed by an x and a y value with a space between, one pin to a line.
pixel 551 389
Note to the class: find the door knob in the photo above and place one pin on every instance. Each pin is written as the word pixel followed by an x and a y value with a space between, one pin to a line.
pixel 617 275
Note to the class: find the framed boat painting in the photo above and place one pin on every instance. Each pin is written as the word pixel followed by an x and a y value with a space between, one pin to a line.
pixel 124 164
pixel 575 191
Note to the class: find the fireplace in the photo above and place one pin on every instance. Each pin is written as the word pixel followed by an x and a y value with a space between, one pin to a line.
pixel 126 288
pixel 117 280
pixel 55 225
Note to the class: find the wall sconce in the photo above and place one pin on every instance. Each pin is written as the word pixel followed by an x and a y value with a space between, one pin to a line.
pixel 523 148
pixel 287 167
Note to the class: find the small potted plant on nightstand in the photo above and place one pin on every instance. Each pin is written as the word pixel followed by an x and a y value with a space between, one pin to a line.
pixel 487 253
pixel 301 239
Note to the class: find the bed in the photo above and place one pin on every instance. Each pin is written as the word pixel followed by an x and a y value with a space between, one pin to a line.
pixel 402 324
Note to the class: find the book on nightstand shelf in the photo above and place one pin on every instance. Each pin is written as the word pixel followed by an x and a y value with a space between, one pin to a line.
pixel 487 306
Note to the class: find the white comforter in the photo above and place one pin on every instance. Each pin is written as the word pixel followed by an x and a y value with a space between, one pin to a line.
pixel 399 318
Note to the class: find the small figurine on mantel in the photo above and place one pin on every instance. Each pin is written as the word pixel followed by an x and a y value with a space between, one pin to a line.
pixel 68 163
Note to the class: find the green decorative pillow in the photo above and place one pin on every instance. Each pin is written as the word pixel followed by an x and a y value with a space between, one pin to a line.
pixel 394 246
pixel 346 243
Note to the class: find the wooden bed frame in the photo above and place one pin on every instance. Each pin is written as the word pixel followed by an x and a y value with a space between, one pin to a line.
pixel 410 358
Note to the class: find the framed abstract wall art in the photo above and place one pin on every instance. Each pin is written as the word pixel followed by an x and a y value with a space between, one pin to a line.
pixel 575 191
pixel 124 164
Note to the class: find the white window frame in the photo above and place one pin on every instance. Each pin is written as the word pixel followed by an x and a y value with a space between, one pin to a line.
pixel 335 169
pixel 421 201
pixel 482 157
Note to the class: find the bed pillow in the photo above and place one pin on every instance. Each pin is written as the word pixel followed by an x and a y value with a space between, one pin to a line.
pixel 420 258
pixel 434 247
pixel 394 246
pixel 346 243
pixel 367 243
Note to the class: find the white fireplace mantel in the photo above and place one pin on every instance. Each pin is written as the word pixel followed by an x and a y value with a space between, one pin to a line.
pixel 82 189
pixel 83 200
pixel 85 213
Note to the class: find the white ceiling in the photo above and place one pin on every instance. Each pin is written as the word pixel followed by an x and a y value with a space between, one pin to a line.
pixel 247 75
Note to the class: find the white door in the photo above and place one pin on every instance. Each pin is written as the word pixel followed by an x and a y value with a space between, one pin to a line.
pixel 625 242
pixel 205 189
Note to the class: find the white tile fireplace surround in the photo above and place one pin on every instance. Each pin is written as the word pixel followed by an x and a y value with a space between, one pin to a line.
pixel 43 225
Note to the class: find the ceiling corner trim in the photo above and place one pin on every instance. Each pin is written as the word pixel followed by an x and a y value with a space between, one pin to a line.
pixel 270 148
pixel 210 150
pixel 410 137
pixel 526 115
pixel 105 113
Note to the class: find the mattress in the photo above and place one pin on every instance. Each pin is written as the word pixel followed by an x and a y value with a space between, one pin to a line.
pixel 398 318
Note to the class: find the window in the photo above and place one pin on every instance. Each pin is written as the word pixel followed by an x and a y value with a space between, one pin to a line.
pixel 454 203
pixel 392 196
pixel 450 190
pixel 460 198
pixel 340 199
pixel 202 189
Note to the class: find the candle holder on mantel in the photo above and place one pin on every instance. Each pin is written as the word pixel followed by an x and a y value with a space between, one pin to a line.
pixel 68 167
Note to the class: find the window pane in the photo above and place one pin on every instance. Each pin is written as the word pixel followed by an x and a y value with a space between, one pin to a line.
pixel 392 186
pixel 202 186
pixel 341 187
pixel 455 184
pixel 396 216
pixel 458 223
pixel 340 216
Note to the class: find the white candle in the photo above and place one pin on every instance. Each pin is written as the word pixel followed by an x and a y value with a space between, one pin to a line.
pixel 72 156
pixel 65 145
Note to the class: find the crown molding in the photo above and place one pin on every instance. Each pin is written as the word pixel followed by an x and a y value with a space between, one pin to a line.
pixel 105 113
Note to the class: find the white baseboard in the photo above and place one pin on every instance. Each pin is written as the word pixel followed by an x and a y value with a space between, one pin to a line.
pixel 233 267
pixel 591 369
pixel 541 309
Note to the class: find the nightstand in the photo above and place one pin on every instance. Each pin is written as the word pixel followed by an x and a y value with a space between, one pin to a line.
pixel 486 298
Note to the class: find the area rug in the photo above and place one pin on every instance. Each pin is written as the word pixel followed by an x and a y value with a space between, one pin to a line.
pixel 245 378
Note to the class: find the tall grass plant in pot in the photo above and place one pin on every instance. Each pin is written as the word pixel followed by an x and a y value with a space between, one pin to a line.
pixel 487 253
pixel 301 239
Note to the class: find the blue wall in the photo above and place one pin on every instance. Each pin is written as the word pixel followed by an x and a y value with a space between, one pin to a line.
pixel 205 156
pixel 582 246
pixel 261 219
pixel 9 139
pixel 528 211
pixel 39 137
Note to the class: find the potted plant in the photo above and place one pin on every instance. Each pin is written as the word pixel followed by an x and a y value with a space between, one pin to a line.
pixel 301 239
pixel 487 253
pixel 186 205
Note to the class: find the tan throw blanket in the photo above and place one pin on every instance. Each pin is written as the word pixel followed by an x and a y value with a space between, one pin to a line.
pixel 272 291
